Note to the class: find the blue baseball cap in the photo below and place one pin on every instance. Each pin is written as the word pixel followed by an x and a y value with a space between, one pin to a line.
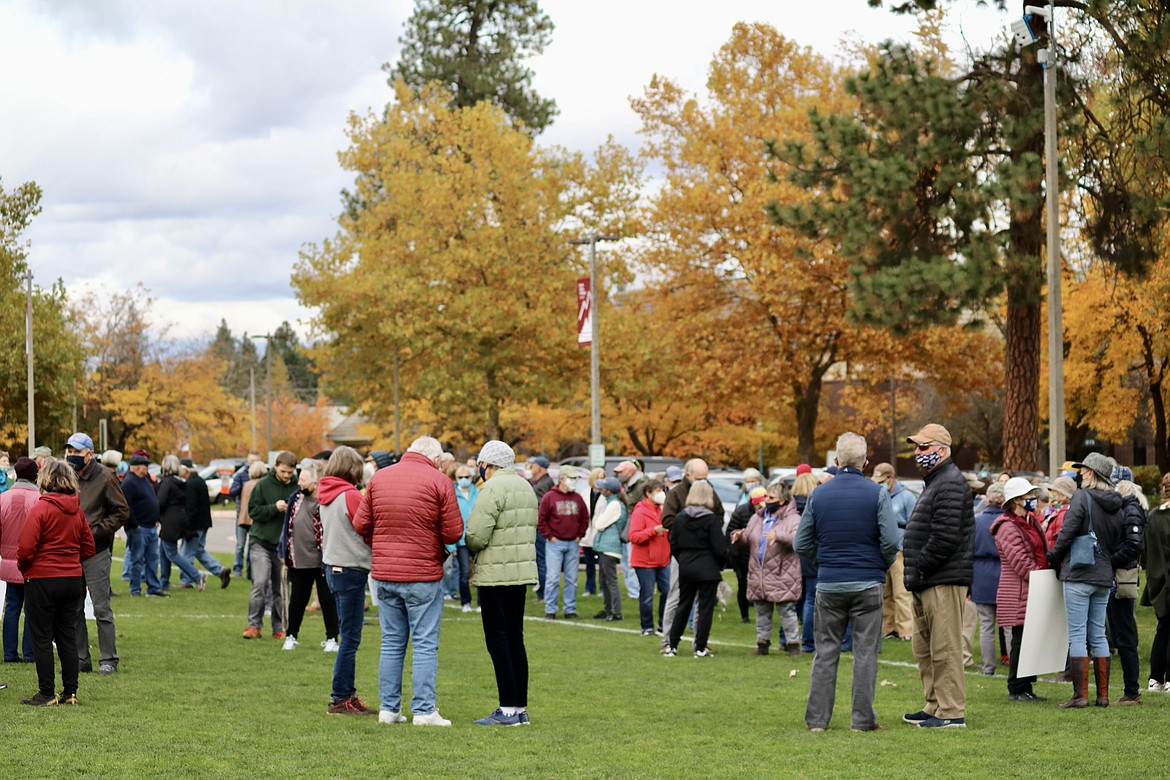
pixel 80 441
pixel 539 460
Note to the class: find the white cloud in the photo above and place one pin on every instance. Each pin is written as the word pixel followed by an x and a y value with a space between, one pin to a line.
pixel 192 147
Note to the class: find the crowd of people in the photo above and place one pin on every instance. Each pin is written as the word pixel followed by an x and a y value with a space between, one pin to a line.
pixel 841 561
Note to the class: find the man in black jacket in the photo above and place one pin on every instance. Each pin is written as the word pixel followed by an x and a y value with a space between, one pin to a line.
pixel 939 552
pixel 198 524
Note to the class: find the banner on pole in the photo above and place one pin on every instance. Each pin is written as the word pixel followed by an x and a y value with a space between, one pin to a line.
pixel 584 312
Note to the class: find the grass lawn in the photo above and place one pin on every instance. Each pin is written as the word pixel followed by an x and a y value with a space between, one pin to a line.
pixel 192 698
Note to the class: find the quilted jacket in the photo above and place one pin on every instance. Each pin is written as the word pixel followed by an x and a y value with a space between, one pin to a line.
pixel 778 577
pixel 939 541
pixel 501 531
pixel 1018 560
pixel 408 514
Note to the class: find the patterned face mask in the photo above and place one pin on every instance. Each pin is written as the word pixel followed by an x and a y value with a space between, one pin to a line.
pixel 927 460
pixel 1030 504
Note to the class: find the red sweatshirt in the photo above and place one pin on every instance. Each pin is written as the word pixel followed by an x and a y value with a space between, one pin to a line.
pixel 562 516
pixel 55 539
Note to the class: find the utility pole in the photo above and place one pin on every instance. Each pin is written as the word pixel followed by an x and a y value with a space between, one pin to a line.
pixel 594 346
pixel 1056 451
pixel 397 416
pixel 268 393
pixel 28 350
pixel 252 396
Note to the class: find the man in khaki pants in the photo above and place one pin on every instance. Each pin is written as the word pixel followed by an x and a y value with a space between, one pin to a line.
pixel 939 551
pixel 896 620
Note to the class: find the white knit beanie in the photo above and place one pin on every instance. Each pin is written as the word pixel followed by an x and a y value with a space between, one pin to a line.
pixel 497 453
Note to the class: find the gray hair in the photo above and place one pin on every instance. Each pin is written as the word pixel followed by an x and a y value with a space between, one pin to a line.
pixel 427 446
pixel 851 450
pixel 313 469
pixel 1127 488
pixel 111 459
pixel 170 466
pixel 258 469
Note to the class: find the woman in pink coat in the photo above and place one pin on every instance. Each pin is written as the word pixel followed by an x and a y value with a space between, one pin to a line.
pixel 1022 550
pixel 773 568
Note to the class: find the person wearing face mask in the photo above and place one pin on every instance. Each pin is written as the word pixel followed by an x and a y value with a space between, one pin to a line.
pixel 698 544
pixel 466 494
pixel 1022 550
pixel 536 472
pixel 1060 494
pixel 611 519
pixel 562 520
pixel 738 554
pixel 773 572
pixel 650 555
pixel 694 471
pixel 300 551
pixel 105 510
pixel 938 548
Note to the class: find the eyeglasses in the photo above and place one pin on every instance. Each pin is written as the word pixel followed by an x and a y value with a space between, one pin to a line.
pixel 925 447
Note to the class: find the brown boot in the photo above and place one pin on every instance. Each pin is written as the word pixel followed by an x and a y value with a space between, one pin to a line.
pixel 793 649
pixel 1101 672
pixel 1079 669
pixel 762 647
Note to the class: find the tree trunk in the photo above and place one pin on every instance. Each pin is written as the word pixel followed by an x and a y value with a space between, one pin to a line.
pixel 1021 405
pixel 1155 376
pixel 806 402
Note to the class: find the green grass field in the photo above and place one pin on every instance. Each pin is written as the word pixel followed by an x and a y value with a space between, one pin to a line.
pixel 193 699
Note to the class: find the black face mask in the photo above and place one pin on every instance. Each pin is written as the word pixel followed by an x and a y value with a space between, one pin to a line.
pixel 306 492
pixel 482 473
pixel 1077 480
pixel 772 506
pixel 76 461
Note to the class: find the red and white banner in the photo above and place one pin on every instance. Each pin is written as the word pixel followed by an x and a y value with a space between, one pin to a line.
pixel 584 312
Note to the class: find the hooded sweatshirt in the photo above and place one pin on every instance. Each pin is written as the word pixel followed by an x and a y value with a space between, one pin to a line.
pixel 55 539
pixel 340 544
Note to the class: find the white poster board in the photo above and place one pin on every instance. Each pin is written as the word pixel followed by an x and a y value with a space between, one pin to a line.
pixel 1044 647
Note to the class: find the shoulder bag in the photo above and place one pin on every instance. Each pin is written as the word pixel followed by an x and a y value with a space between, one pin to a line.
pixel 1083 552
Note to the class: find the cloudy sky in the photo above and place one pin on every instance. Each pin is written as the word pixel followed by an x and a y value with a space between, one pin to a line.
pixel 192 146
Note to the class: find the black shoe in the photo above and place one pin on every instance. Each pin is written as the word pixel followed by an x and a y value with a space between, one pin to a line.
pixel 225 577
pixel 85 668
pixel 613 618
pixel 67 698
pixel 550 616
pixel 1029 696
pixel 602 615
pixel 916 717
pixel 891 635
pixel 40 700
pixel 570 616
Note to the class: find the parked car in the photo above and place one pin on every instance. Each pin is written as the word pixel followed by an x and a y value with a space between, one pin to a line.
pixel 218 476
pixel 651 464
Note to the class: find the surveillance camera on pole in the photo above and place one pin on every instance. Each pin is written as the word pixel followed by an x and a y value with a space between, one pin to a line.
pixel 1033 28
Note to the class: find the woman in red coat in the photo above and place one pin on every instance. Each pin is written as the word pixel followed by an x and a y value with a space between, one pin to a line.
pixel 55 540
pixel 650 554
pixel 1022 550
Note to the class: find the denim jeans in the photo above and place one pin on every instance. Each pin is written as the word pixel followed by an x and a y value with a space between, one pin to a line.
pixel 241 548
pixel 172 555
pixel 834 612
pixel 540 567
pixel 266 569
pixel 409 611
pixel 349 591
pixel 195 550
pixel 1085 605
pixel 144 552
pixel 463 569
pixel 126 562
pixel 13 605
pixel 633 587
pixel 561 556
pixel 647 579
pixel 590 559
pixel 807 642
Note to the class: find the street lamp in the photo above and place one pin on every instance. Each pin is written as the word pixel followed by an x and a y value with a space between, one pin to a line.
pixel 267 392
pixel 1029 30
pixel 28 350
pixel 594 353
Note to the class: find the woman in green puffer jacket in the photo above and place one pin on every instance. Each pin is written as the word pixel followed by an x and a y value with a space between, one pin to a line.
pixel 501 534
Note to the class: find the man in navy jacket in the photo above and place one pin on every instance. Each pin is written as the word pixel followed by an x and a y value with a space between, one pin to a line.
pixel 848 529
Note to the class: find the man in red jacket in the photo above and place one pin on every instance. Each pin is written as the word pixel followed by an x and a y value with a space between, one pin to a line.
pixel 562 520
pixel 408 515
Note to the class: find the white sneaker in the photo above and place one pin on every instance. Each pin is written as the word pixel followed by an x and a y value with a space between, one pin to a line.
pixel 1154 685
pixel 386 716
pixel 331 645
pixel 467 608
pixel 432 719
pixel 290 643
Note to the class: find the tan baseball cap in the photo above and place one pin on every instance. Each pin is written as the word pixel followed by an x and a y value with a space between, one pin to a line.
pixel 931 433
pixel 882 473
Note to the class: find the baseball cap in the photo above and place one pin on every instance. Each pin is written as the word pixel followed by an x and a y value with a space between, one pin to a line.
pixel 931 433
pixel 80 441
pixel 882 472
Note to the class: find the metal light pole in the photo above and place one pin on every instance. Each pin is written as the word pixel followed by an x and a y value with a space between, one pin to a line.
pixel 28 349
pixel 252 397
pixel 1056 451
pixel 594 347
pixel 267 392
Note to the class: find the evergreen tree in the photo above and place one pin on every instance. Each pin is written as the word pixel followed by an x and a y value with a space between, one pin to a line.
pixel 302 370
pixel 476 50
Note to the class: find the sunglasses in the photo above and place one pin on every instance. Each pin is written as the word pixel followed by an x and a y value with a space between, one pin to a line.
pixel 925 447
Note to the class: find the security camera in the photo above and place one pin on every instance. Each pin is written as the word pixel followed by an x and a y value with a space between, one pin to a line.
pixel 1023 32
pixel 1033 27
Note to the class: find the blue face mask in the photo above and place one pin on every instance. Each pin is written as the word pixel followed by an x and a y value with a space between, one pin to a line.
pixel 1030 504
pixel 482 472
pixel 464 482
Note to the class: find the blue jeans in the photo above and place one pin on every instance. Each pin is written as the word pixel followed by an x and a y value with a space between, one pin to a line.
pixel 241 545
pixel 349 590
pixel 126 562
pixel 540 567
pixel 633 589
pixel 561 556
pixel 409 611
pixel 195 550
pixel 13 604
pixel 171 551
pixel 463 572
pixel 647 579
pixel 1085 605
pixel 144 552
pixel 809 620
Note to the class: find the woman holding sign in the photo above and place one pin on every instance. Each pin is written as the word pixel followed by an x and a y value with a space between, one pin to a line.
pixel 1022 550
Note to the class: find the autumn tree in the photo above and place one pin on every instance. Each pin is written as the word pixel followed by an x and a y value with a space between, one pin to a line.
pixel 460 265
pixel 476 51
pixel 56 349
